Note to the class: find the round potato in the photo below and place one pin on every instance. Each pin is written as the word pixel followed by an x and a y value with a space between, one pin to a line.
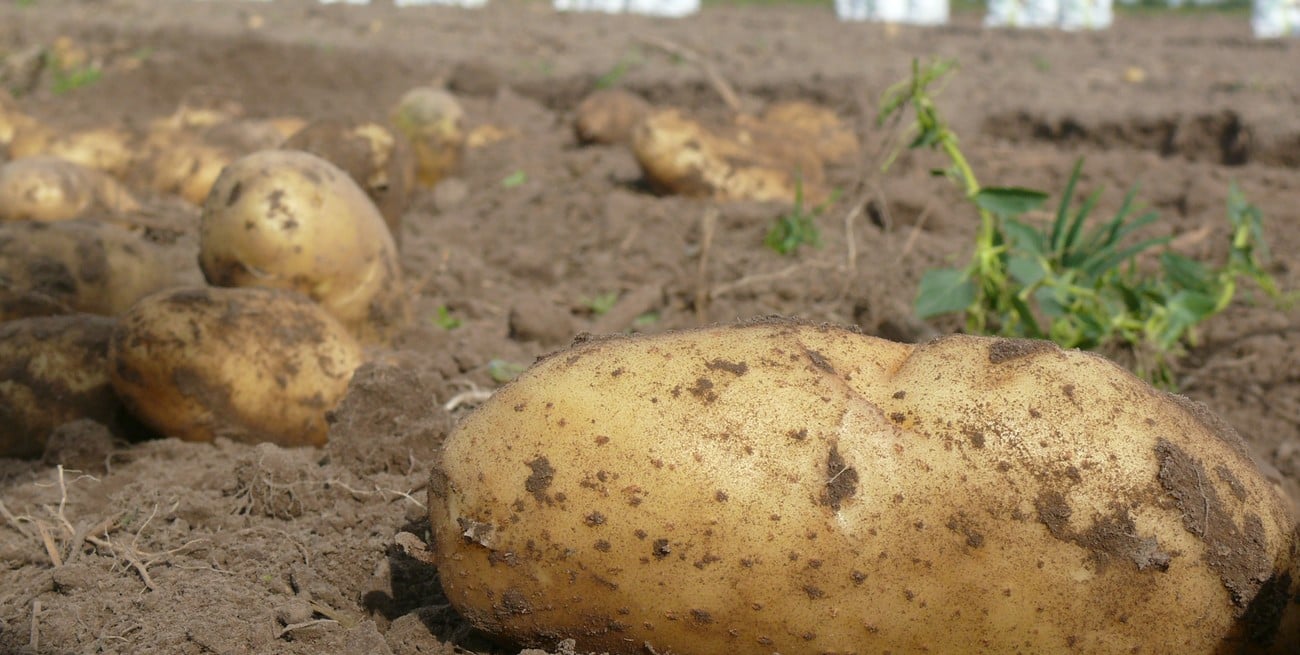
pixel 608 116
pixel 377 161
pixel 253 365
pixel 53 370
pixel 803 489
pixel 291 220
pixel 53 189
pixel 86 266
pixel 433 120
pixel 680 155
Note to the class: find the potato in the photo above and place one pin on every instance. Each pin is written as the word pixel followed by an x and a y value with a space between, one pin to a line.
pixel 12 121
pixel 253 365
pixel 53 370
pixel 111 150
pixel 794 488
pixel 608 116
pixel 183 165
pixel 86 266
pixel 377 161
pixel 680 155
pixel 54 189
pixel 291 220
pixel 433 121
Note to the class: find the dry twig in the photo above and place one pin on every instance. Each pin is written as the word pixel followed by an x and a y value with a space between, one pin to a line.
pixel 708 225
pixel 715 78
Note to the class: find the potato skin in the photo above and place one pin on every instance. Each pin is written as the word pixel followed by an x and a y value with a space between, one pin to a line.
pixel 783 487
pixel 53 370
pixel 49 188
pixel 86 266
pixel 608 116
pixel 380 163
pixel 253 365
pixel 292 220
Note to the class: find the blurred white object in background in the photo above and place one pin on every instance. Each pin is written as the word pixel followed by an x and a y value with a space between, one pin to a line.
pixel 606 6
pixel 664 8
pixel 912 12
pixel 1273 19
pixel 468 4
pixel 1086 14
pixel 1023 13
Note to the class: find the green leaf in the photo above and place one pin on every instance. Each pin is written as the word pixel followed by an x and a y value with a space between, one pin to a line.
pixel 503 371
pixel 514 179
pixel 944 291
pixel 1026 270
pixel 1025 236
pixel 1186 273
pixel 1063 209
pixel 1185 309
pixel 1009 201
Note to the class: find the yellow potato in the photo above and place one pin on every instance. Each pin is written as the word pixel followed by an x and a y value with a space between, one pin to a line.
pixel 377 161
pixel 680 155
pixel 812 126
pixel 433 121
pixel 53 370
pixel 805 489
pixel 85 266
pixel 53 189
pixel 253 365
pixel 108 149
pixel 291 220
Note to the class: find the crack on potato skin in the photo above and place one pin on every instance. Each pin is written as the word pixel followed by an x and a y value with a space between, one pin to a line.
pixel 819 360
pixel 841 480
pixel 1110 538
pixel 1005 350
pixel 540 478
pixel 1238 555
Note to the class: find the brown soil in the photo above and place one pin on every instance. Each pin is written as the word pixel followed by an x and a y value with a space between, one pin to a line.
pixel 172 547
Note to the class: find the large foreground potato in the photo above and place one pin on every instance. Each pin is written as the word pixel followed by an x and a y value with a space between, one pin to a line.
pixel 53 370
pixel 252 365
pixel 87 266
pixel 291 220
pixel 782 487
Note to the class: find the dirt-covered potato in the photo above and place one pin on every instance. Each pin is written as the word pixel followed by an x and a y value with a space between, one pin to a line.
pixel 433 121
pixel 111 150
pixel 53 189
pixel 291 220
pixel 680 155
pixel 608 116
pixel 786 487
pixel 253 365
pixel 53 370
pixel 377 160
pixel 86 266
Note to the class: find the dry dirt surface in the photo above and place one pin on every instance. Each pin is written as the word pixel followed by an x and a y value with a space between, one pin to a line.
pixel 170 547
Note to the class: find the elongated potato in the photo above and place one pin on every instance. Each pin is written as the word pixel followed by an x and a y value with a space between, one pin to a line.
pixel 802 489
pixel 54 189
pixel 86 266
pixel 680 155
pixel 253 365
pixel 111 150
pixel 53 370
pixel 291 220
